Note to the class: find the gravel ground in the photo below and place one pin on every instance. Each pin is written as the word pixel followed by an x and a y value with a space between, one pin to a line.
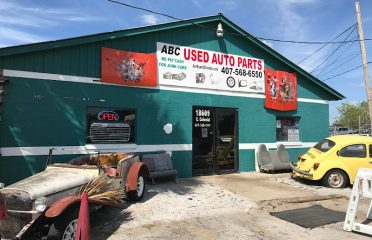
pixel 233 206
pixel 166 203
pixel 185 200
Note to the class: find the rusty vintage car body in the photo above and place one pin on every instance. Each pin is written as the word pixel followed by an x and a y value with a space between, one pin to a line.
pixel 44 205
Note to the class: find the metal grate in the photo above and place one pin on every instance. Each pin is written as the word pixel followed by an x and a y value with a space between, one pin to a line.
pixel 109 132
pixel 12 223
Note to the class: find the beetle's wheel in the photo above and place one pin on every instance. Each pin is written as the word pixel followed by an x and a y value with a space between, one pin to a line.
pixel 335 179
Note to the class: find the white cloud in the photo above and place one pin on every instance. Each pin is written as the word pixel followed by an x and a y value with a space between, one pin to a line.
pixel 28 21
pixel 149 19
pixel 268 43
pixel 197 3
pixel 18 21
pixel 367 19
pixel 228 4
pixel 20 15
pixel 82 19
pixel 17 8
pixel 298 1
pixel 292 25
pixel 18 36
pixel 360 84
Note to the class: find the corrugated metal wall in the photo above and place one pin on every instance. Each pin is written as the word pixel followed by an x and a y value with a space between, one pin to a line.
pixel 48 113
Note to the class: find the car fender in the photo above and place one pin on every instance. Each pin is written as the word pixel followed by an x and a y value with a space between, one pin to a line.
pixel 132 177
pixel 63 204
pixel 325 166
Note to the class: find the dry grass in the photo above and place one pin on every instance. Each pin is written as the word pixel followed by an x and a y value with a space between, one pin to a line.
pixel 102 189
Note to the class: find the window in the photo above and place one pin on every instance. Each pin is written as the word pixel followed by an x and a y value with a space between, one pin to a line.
pixel 107 125
pixel 287 129
pixel 356 150
pixel 324 145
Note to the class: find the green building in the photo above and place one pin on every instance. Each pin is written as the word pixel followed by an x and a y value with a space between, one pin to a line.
pixel 53 97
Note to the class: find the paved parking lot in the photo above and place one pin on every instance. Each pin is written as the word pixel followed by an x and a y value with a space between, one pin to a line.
pixel 233 206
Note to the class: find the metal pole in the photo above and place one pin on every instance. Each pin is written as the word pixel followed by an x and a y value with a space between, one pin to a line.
pixel 364 58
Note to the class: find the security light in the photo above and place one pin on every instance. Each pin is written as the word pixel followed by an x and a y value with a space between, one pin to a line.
pixel 219 31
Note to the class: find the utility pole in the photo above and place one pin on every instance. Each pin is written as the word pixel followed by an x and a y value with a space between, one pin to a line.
pixel 364 58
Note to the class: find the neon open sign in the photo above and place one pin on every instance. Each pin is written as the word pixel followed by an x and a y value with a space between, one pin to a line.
pixel 108 116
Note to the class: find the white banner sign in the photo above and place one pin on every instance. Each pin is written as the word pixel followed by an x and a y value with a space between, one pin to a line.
pixel 197 68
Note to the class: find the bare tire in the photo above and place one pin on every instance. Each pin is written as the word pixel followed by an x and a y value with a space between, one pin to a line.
pixel 137 195
pixel 64 227
pixel 335 179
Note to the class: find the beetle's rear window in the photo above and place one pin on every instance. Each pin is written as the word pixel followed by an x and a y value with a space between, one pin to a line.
pixel 324 145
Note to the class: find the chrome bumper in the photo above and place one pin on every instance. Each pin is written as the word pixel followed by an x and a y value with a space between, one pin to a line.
pixel 297 170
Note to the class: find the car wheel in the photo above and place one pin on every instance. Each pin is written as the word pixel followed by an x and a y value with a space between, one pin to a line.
pixel 65 226
pixel 335 179
pixel 137 195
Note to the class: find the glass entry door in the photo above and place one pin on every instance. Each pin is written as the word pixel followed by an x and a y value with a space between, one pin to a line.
pixel 226 139
pixel 215 135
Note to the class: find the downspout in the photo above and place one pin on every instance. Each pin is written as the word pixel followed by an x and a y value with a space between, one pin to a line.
pixel 3 82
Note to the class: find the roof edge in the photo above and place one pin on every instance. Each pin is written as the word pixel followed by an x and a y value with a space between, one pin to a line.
pixel 67 42
pixel 283 59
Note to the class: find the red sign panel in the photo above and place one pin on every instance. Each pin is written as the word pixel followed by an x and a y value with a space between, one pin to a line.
pixel 128 68
pixel 281 90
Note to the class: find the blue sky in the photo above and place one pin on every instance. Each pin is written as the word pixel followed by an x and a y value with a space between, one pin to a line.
pixel 23 21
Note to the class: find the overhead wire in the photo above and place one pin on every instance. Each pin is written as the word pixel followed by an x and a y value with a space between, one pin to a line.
pixel 342 63
pixel 243 35
pixel 326 44
pixel 337 59
pixel 260 38
pixel 146 10
pixel 347 71
pixel 313 42
pixel 333 52
pixel 157 13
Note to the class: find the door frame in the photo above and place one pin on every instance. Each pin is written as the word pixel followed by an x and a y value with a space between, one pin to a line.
pixel 236 136
pixel 214 123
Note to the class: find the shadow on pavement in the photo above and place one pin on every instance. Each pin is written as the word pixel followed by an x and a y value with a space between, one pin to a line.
pixel 107 220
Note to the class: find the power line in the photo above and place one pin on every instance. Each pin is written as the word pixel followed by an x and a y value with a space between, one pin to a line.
pixel 157 13
pixel 260 38
pixel 314 42
pixel 349 58
pixel 324 68
pixel 345 72
pixel 326 44
pixel 333 52
pixel 146 10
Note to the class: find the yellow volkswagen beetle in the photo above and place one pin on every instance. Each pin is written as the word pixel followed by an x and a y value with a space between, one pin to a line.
pixel 335 160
